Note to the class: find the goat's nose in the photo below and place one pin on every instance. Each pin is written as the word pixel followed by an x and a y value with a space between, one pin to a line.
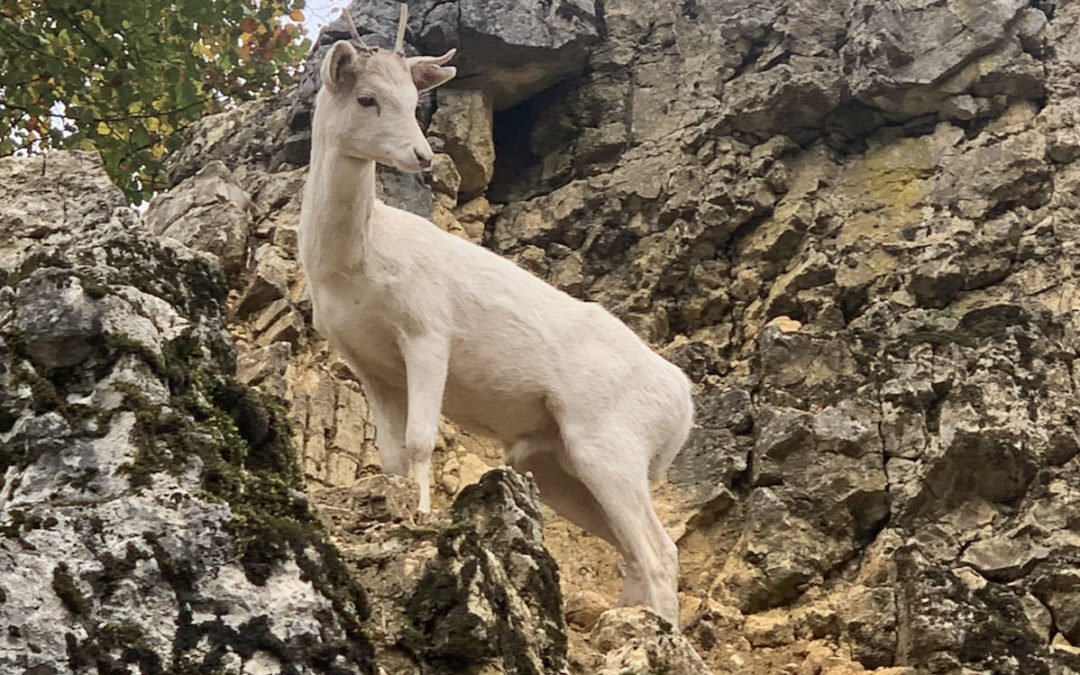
pixel 424 157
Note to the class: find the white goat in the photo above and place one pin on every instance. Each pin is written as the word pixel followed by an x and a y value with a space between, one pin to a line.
pixel 429 321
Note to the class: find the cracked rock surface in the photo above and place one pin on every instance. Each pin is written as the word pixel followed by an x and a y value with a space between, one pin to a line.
pixel 852 223
pixel 473 586
pixel 153 516
pixel 151 509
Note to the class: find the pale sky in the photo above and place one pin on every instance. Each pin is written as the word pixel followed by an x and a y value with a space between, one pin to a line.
pixel 318 13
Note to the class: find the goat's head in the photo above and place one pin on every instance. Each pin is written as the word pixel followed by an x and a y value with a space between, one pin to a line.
pixel 367 106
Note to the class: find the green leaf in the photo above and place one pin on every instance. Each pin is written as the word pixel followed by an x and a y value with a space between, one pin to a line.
pixel 126 59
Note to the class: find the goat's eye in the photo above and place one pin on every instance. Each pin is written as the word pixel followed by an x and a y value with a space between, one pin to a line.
pixel 366 100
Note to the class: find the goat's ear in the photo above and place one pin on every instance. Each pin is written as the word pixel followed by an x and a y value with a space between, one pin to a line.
pixel 429 72
pixel 339 67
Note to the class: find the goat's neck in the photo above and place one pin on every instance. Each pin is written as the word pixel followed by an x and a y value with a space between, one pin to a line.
pixel 342 193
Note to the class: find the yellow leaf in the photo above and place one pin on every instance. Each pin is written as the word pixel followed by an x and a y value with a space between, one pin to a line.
pixel 86 144
pixel 296 15
pixel 135 107
pixel 103 129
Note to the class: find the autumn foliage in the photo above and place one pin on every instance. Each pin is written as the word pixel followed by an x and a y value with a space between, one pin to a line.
pixel 124 77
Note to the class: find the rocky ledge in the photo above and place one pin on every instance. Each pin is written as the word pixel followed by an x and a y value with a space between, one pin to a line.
pixel 152 512
pixel 852 223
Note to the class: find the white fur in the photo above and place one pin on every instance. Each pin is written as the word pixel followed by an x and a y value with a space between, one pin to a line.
pixel 430 322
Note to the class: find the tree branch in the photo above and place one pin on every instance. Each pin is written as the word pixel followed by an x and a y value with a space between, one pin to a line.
pixel 77 26
pixel 129 116
pixel 31 49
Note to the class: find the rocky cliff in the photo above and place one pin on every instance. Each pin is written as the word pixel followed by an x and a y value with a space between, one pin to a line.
pixel 852 223
pixel 152 512
pixel 153 517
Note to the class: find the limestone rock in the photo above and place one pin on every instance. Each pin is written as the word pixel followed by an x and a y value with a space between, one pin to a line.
pixel 763 630
pixel 208 212
pixel 509 49
pixel 406 191
pixel 150 501
pixel 715 457
pixel 287 325
pixel 989 611
pixel 265 367
pixel 638 641
pixel 584 608
pixel 463 122
pixel 254 132
pixel 53 198
pixel 869 625
pixel 492 592
pixel 445 177
pixel 1004 558
pixel 269 281
pixel 905 60
pixel 473 216
pixel 459 472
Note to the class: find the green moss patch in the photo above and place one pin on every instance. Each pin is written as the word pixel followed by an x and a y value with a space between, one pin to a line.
pixel 111 649
pixel 235 435
pixel 445 632
pixel 64 586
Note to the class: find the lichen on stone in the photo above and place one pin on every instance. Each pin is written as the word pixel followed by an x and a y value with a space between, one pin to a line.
pixel 132 455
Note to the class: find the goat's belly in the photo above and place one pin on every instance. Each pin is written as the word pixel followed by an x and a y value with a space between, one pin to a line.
pixel 495 413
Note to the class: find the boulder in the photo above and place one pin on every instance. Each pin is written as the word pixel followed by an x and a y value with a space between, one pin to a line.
pixel 209 212
pixel 152 505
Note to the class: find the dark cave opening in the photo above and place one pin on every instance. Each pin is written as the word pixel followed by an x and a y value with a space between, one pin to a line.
pixel 515 160
pixel 534 143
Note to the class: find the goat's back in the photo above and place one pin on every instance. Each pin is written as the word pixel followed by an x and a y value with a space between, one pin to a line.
pixel 521 348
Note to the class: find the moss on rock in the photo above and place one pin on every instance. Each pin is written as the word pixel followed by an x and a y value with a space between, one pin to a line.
pixel 64 586
pixel 233 438
pixel 474 604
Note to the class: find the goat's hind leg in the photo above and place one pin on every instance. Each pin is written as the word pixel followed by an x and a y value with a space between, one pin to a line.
pixel 568 496
pixel 615 472
pixel 572 500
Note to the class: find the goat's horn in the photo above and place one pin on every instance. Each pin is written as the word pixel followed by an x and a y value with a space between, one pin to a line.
pixel 352 27
pixel 399 44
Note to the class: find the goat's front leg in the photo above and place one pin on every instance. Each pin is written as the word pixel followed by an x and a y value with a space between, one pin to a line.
pixel 426 360
pixel 388 406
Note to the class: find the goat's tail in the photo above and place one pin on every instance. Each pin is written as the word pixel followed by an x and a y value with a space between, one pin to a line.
pixel 659 463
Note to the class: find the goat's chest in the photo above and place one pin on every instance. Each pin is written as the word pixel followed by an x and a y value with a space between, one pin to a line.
pixel 355 322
